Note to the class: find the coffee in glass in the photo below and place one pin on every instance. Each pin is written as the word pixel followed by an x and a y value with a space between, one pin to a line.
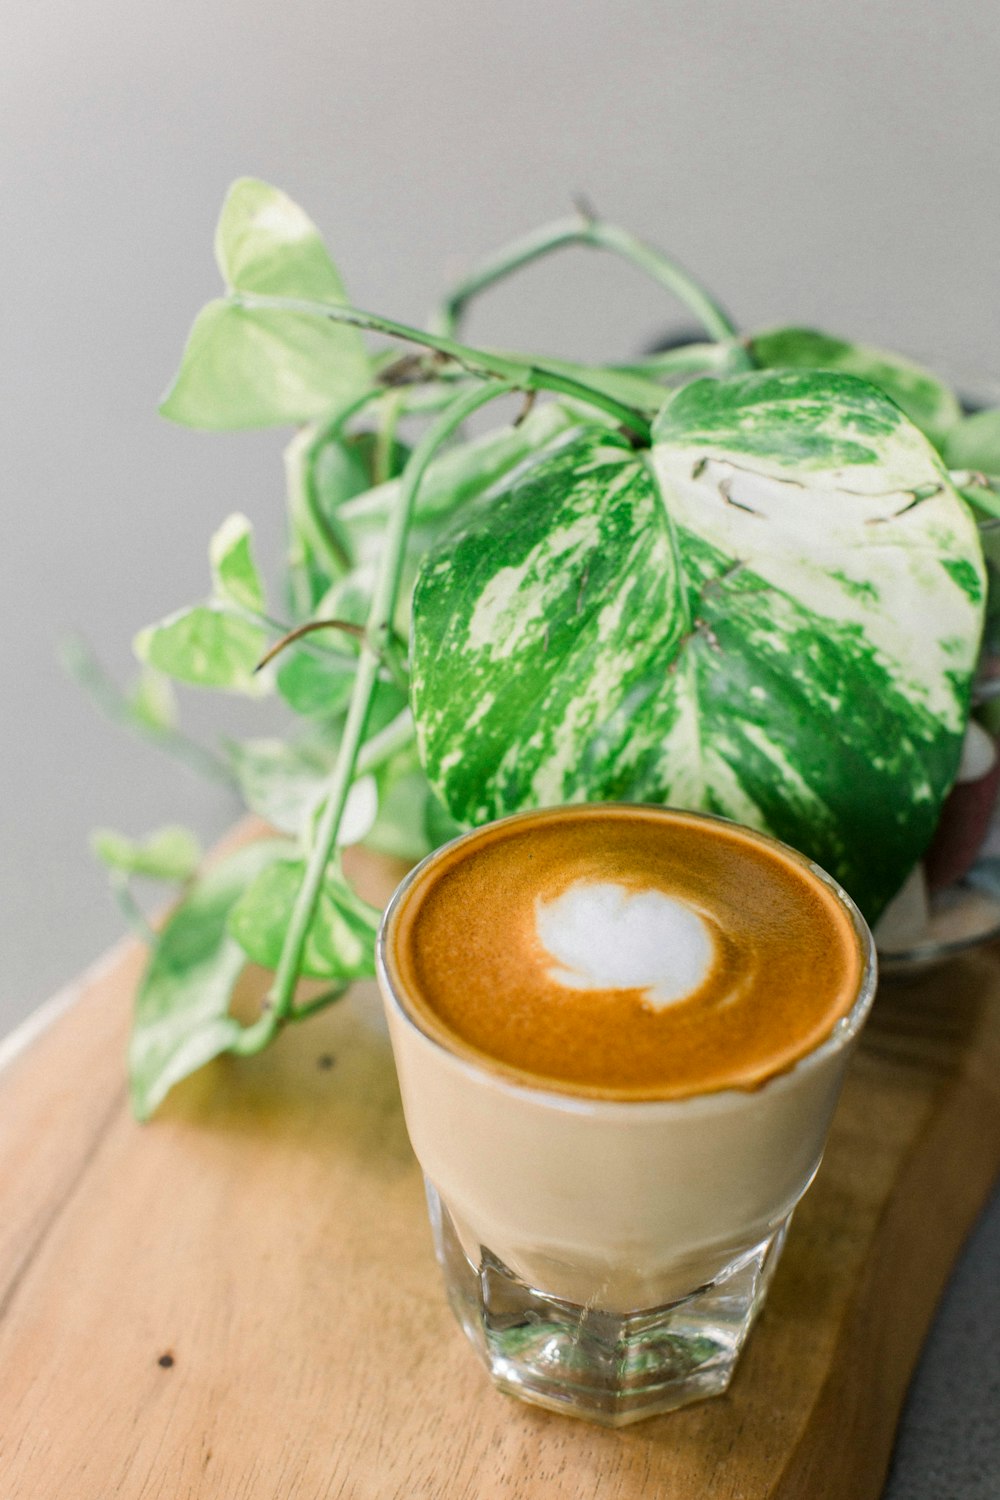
pixel 620 1033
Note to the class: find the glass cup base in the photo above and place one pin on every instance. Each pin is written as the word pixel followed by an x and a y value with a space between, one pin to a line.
pixel 610 1368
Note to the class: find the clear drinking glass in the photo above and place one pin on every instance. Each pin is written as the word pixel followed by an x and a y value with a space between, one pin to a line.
pixel 607 1259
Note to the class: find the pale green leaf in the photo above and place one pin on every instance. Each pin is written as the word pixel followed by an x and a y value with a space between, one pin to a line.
pixel 400 829
pixel 263 367
pixel 974 443
pixel 234 571
pixel 774 616
pixel 152 701
pixel 358 815
pixel 925 399
pixel 315 685
pixel 205 646
pixel 440 826
pixel 259 367
pixel 285 783
pixel 182 1009
pixel 265 243
pixel 349 600
pixel 341 939
pixel 168 854
pixel 281 781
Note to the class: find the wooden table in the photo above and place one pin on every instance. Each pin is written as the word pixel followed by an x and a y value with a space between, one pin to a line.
pixel 240 1299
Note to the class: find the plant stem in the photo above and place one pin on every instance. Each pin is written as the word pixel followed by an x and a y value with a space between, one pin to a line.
pixel 394 661
pixel 320 1002
pixel 84 667
pixel 303 500
pixel 587 230
pixel 382 746
pixel 378 631
pixel 683 360
pixel 285 631
pixel 385 438
pixel 391 658
pixel 516 374
pixel 329 543
pixel 131 910
pixel 977 490
pixel 309 628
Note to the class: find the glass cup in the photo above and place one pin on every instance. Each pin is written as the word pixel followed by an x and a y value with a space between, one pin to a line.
pixel 607 1259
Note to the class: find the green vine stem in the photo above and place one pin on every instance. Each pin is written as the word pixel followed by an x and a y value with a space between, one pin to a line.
pixel 517 374
pixel 979 490
pixel 593 232
pixel 133 913
pixel 300 460
pixel 686 359
pixel 385 437
pixel 398 733
pixel 318 1002
pixel 377 633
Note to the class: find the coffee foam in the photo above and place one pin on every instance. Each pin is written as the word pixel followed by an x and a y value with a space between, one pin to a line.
pixel 626 952
pixel 605 936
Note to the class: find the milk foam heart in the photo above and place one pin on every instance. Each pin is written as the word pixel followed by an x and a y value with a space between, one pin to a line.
pixel 606 936
pixel 627 951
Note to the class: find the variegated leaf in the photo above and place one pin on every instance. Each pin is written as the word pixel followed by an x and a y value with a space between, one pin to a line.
pixel 924 398
pixel 774 615
pixel 341 939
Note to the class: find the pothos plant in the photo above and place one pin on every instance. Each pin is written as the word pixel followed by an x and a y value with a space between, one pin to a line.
pixel 742 575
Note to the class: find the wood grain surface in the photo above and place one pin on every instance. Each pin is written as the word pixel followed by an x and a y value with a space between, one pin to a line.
pixel 240 1300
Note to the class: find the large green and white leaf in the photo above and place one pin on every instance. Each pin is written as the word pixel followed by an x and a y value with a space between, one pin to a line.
pixel 341 939
pixel 925 399
pixel 247 366
pixel 206 646
pixel 234 571
pixel 774 615
pixel 182 1015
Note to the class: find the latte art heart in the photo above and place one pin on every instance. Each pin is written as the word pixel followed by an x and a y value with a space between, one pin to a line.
pixel 623 951
pixel 606 936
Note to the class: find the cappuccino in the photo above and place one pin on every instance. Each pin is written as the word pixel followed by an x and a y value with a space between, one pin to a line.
pixel 625 952
pixel 620 1033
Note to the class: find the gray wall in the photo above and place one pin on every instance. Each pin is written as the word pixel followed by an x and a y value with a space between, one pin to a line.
pixel 815 163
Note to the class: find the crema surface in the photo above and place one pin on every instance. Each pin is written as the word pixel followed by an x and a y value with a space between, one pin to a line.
pixel 625 952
